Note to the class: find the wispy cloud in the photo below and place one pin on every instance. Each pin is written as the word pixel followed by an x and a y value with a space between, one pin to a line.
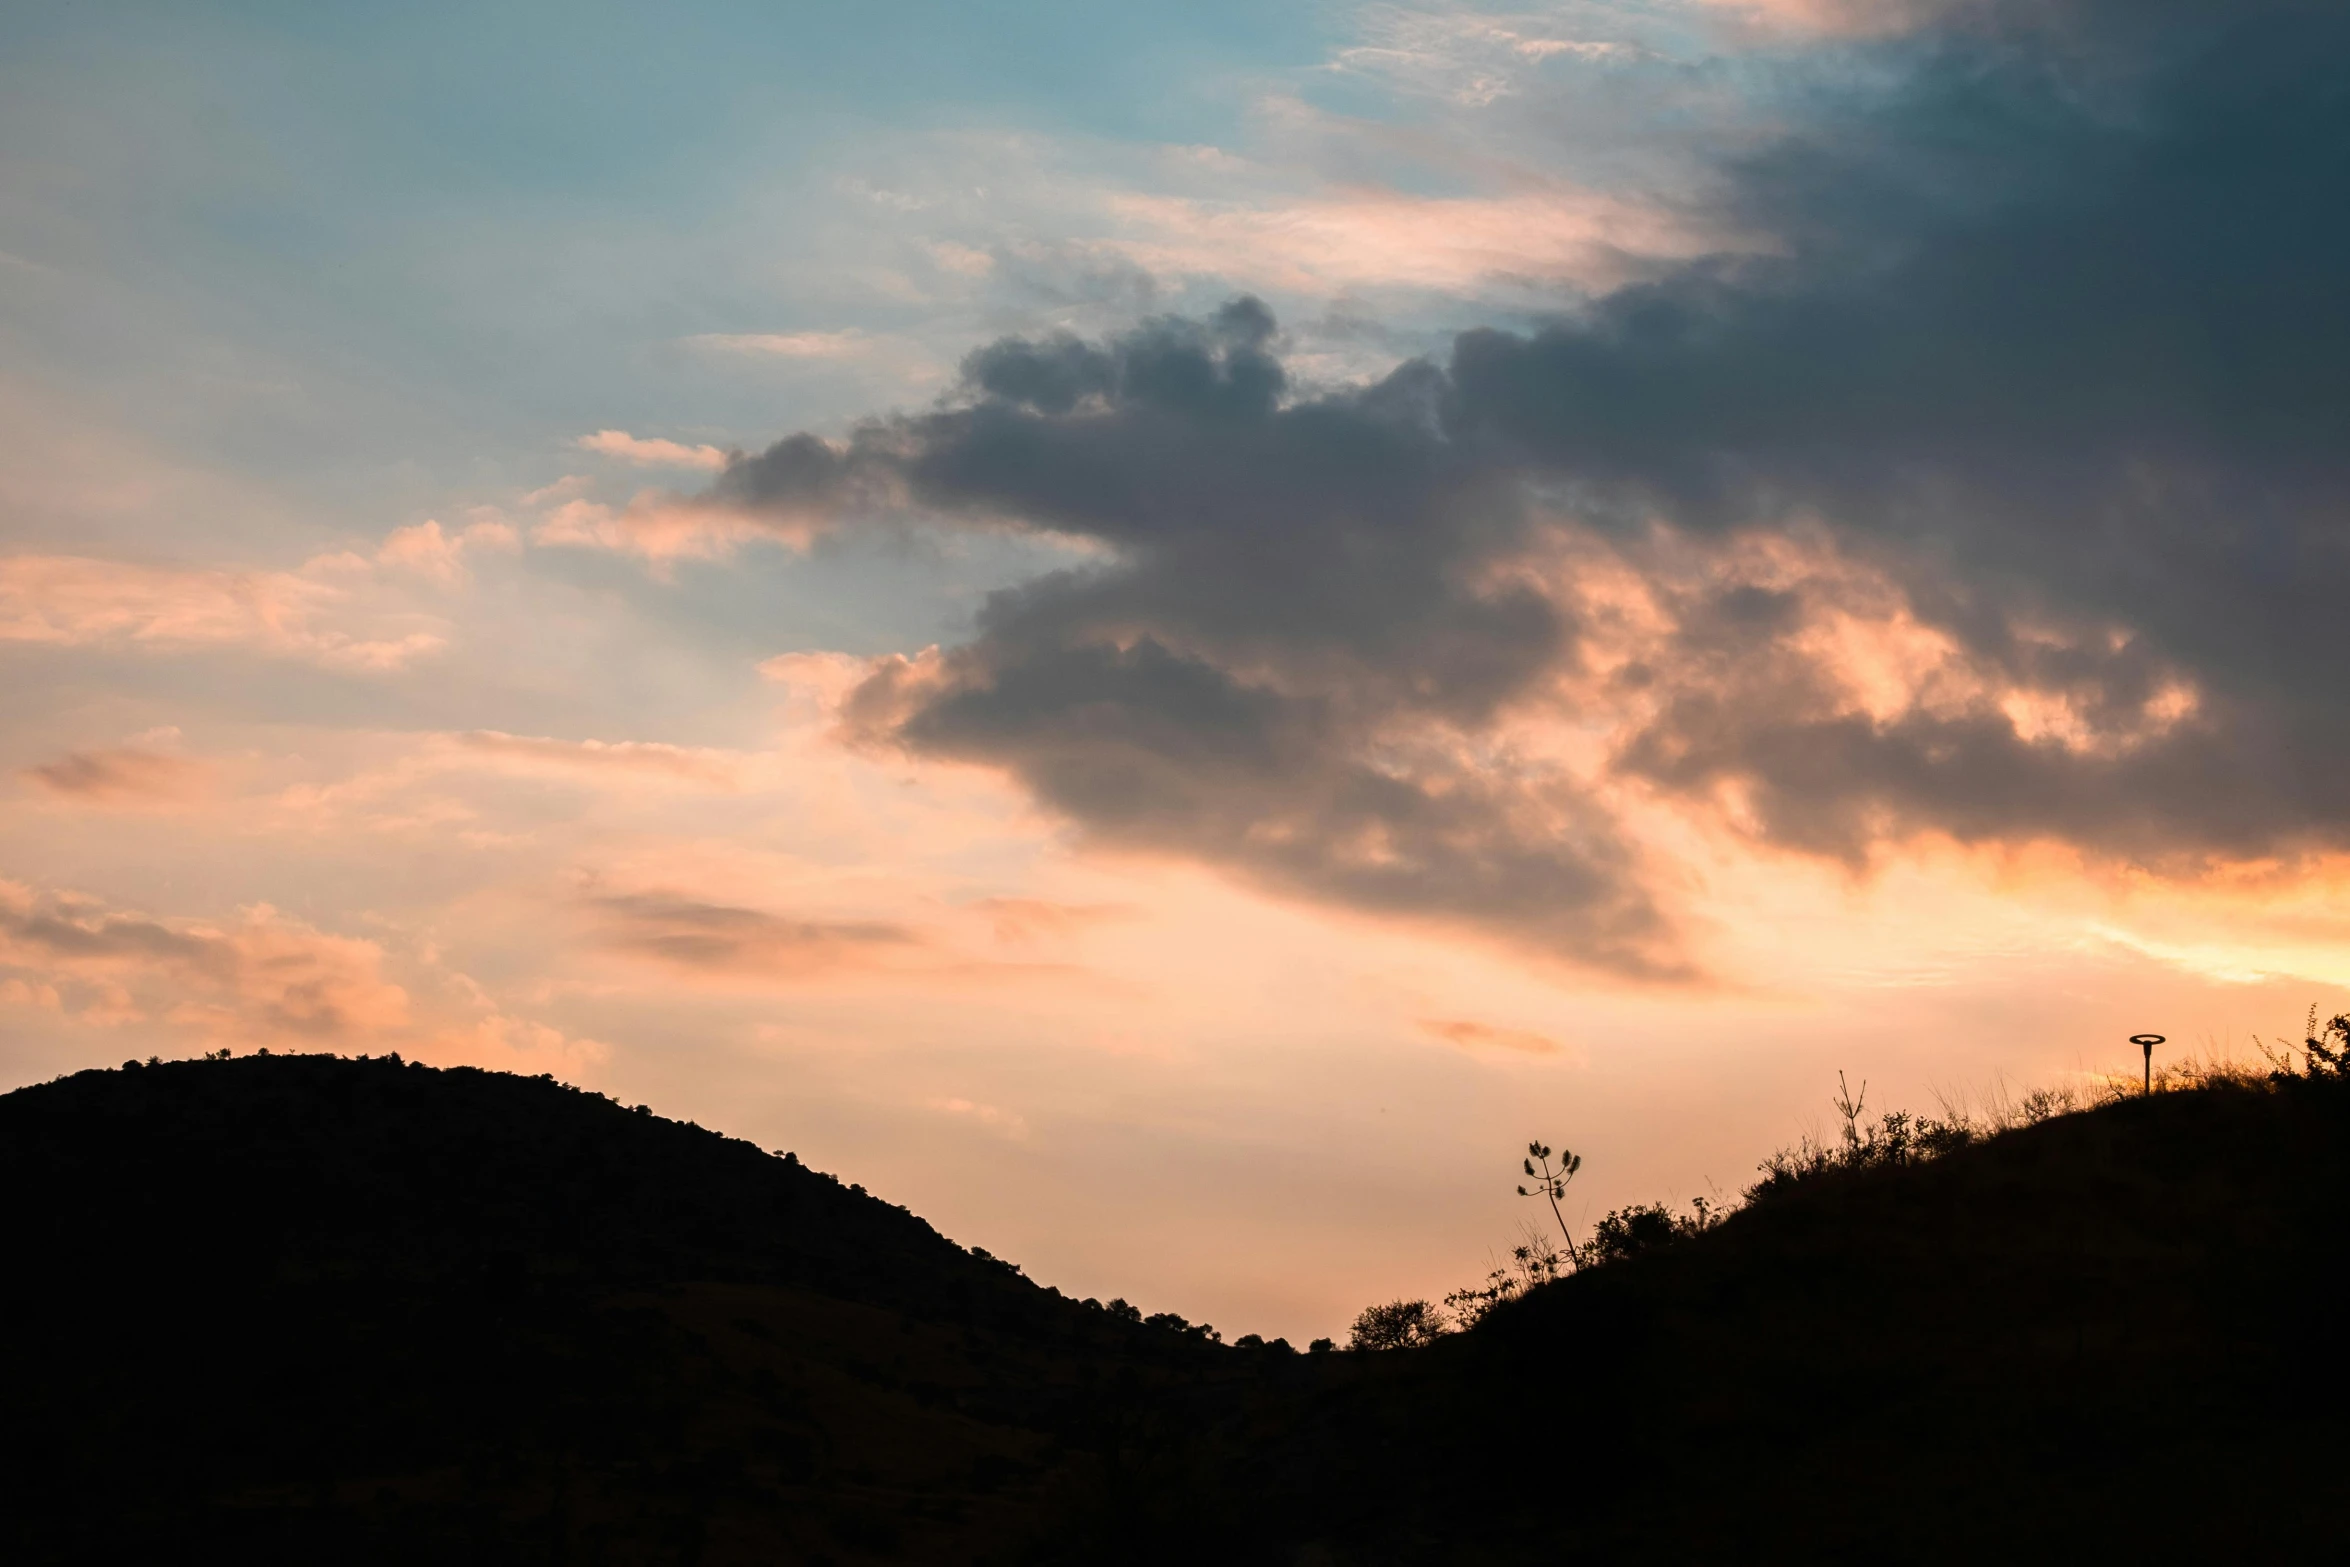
pixel 1471 1035
pixel 849 344
pixel 121 775
pixel 1002 1122
pixel 711 768
pixel 65 600
pixel 1022 920
pixel 651 452
pixel 1331 242
pixel 716 938
pixel 264 978
pixel 1849 18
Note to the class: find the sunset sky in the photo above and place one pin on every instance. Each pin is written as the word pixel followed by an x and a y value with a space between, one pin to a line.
pixel 1162 631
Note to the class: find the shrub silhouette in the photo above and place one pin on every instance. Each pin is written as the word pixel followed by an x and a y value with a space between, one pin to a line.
pixel 1533 1261
pixel 1400 1324
pixel 2325 1053
pixel 1645 1226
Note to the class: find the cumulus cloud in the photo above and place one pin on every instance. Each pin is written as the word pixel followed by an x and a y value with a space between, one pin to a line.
pixel 2000 496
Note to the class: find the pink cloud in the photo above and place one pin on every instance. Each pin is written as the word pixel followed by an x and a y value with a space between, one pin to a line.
pixel 535 753
pixel 850 344
pixel 64 600
pixel 662 527
pixel 651 453
pixel 1371 237
pixel 1847 18
pixel 426 549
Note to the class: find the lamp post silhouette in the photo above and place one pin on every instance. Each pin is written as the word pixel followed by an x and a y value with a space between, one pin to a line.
pixel 2147 1042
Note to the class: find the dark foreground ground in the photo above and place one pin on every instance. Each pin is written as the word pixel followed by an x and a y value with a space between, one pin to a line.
pixel 306 1309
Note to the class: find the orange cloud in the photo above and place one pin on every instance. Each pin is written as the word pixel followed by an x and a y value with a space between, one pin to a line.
pixel 1485 1036
pixel 265 979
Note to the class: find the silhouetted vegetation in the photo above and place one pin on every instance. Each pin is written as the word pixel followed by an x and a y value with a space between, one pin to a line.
pixel 1533 1262
pixel 1401 1324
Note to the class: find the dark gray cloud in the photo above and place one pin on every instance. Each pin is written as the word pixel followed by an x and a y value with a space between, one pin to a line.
pixel 2055 342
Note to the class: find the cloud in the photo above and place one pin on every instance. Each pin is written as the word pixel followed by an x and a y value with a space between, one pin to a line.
pixel 850 344
pixel 662 526
pixel 2000 497
pixel 715 938
pixel 1374 238
pixel 535 753
pixel 73 601
pixel 1004 1123
pixel 1468 57
pixel 651 453
pixel 1287 668
pixel 120 775
pixel 1023 920
pixel 430 552
pixel 1850 18
pixel 264 979
pixel 1485 1036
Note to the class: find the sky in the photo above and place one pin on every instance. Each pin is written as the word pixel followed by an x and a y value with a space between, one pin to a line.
pixel 1163 631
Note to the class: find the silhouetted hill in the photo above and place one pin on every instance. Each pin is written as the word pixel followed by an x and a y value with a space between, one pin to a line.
pixel 304 1309
pixel 2115 1335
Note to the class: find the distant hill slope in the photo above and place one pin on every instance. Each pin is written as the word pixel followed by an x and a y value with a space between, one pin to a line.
pixel 303 1309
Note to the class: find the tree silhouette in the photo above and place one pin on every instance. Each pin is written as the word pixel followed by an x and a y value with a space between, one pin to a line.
pixel 1400 1324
